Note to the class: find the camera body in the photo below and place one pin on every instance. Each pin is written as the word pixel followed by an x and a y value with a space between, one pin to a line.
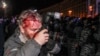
pixel 52 21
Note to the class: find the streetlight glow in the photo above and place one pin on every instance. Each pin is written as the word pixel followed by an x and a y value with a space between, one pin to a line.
pixel 70 12
pixel 4 4
pixel 90 8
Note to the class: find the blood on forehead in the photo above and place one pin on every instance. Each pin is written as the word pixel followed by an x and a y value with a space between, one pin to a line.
pixel 27 20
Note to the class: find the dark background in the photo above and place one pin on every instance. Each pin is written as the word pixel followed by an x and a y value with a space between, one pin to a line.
pixel 20 5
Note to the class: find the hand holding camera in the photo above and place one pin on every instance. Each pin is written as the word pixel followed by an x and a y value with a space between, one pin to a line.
pixel 42 37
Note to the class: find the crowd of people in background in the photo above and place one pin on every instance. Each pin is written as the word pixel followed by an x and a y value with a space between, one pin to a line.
pixel 7 27
pixel 76 36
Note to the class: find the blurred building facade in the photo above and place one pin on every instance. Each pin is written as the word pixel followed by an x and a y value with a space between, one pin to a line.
pixel 78 8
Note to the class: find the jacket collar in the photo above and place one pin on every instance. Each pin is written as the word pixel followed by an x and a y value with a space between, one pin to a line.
pixel 23 38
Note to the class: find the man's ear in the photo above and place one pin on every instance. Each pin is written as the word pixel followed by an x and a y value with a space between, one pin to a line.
pixel 21 29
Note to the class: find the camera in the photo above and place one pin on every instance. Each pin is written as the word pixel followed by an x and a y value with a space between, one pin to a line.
pixel 52 21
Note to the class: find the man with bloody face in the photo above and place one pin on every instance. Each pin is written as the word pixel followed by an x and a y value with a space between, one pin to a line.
pixel 31 25
pixel 27 39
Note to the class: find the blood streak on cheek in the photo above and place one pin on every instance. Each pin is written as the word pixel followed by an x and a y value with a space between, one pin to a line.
pixel 26 23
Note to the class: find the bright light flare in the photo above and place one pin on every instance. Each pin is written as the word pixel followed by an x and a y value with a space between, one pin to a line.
pixel 4 4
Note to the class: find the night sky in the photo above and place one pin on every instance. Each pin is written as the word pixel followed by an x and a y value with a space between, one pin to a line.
pixel 20 5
